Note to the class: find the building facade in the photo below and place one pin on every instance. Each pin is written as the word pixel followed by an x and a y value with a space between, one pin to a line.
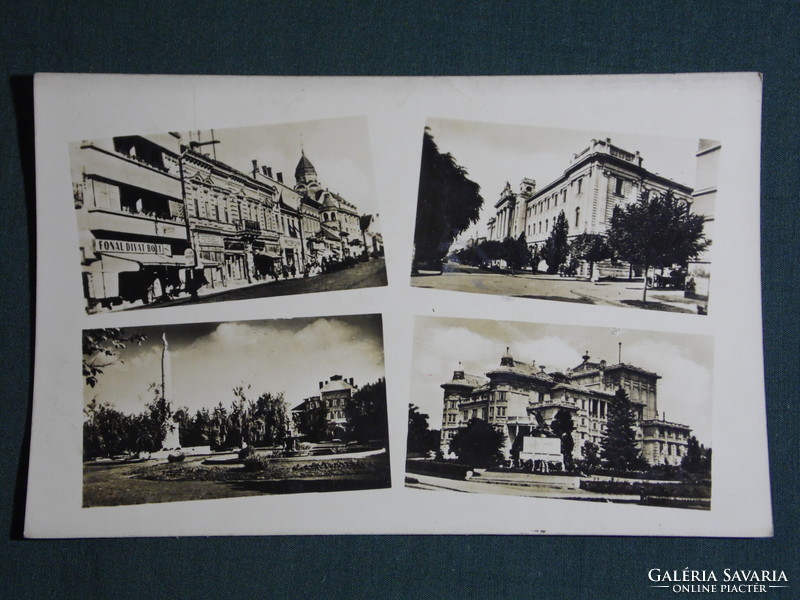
pixel 233 221
pixel 133 231
pixel 334 395
pixel 516 396
pixel 598 179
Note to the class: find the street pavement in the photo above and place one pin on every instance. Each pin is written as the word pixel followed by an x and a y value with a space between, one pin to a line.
pixel 368 274
pixel 476 486
pixel 554 287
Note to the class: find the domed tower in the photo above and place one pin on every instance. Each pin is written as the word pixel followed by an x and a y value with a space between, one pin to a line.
pixel 329 209
pixel 305 176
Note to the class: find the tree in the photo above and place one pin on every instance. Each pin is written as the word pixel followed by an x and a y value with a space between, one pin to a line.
pixel 563 426
pixel 618 444
pixel 697 459
pixel 556 246
pixel 492 250
pixel 312 420
pixel 591 454
pixel 447 203
pixel 420 438
pixel 270 411
pixel 591 247
pixel 263 422
pixel 101 349
pixel 478 444
pixel 656 231
pixel 518 255
pixel 365 412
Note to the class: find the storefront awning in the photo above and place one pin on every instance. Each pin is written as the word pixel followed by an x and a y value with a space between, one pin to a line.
pixel 268 254
pixel 149 260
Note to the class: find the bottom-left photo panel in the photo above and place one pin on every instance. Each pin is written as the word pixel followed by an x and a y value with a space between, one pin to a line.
pixel 200 411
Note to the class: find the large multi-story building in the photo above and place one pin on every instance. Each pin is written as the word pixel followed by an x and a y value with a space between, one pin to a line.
pixel 515 396
pixel 233 220
pixel 339 221
pixel 160 219
pixel 133 231
pixel 334 395
pixel 598 179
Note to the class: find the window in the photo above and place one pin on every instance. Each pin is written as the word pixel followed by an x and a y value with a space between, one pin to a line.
pixel 106 195
pixel 580 185
pixel 577 215
pixel 618 186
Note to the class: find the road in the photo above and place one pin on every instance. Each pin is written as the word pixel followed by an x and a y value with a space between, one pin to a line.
pixel 476 486
pixel 553 287
pixel 368 274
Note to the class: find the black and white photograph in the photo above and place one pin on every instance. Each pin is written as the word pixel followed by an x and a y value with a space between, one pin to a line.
pixel 212 215
pixel 562 412
pixel 574 216
pixel 219 410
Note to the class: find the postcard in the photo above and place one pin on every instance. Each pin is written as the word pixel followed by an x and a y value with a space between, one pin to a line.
pixel 457 305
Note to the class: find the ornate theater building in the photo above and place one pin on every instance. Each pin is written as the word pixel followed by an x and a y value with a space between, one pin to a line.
pixel 515 396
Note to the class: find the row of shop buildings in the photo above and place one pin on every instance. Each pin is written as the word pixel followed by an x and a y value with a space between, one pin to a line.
pixel 515 396
pixel 159 218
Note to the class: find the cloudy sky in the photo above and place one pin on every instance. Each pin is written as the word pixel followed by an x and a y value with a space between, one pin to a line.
pixel 339 149
pixel 210 359
pixel 493 154
pixel 683 361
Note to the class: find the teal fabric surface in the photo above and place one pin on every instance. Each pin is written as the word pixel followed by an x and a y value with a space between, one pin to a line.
pixel 396 38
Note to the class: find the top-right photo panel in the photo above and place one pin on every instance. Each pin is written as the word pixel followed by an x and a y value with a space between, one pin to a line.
pixel 591 217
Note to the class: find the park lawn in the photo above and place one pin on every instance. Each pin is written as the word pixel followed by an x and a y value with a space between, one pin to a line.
pixel 123 484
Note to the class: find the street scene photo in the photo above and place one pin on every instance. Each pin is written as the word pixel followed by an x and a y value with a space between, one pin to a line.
pixel 229 214
pixel 575 216
pixel 565 412
pixel 219 410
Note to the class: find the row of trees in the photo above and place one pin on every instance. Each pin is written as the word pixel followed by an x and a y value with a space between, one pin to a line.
pixel 109 432
pixel 260 421
pixel 657 231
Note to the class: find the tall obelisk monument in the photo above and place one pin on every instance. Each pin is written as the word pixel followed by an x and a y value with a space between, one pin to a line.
pixel 166 370
pixel 172 438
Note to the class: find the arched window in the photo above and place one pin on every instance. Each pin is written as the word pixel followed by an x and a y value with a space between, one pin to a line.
pixel 577 215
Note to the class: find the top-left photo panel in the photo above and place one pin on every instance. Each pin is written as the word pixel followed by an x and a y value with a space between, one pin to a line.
pixel 228 214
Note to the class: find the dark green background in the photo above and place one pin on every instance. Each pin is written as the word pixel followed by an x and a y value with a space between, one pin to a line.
pixel 394 38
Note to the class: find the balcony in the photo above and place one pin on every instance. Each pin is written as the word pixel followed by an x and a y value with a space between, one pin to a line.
pixel 136 223
pixel 248 228
pixel 123 169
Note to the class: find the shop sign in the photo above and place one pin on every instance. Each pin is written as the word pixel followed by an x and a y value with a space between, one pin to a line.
pixel 132 247
pixel 207 239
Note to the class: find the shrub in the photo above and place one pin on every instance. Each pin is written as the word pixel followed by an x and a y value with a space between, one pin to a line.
pixel 246 452
pixel 256 462
pixel 661 490
pixel 176 457
pixel 450 470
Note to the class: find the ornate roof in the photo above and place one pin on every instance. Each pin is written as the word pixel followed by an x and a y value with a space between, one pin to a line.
pixel 305 171
pixel 336 384
pixel 465 379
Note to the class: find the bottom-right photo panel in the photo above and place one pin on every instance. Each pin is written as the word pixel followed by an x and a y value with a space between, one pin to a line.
pixel 561 411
